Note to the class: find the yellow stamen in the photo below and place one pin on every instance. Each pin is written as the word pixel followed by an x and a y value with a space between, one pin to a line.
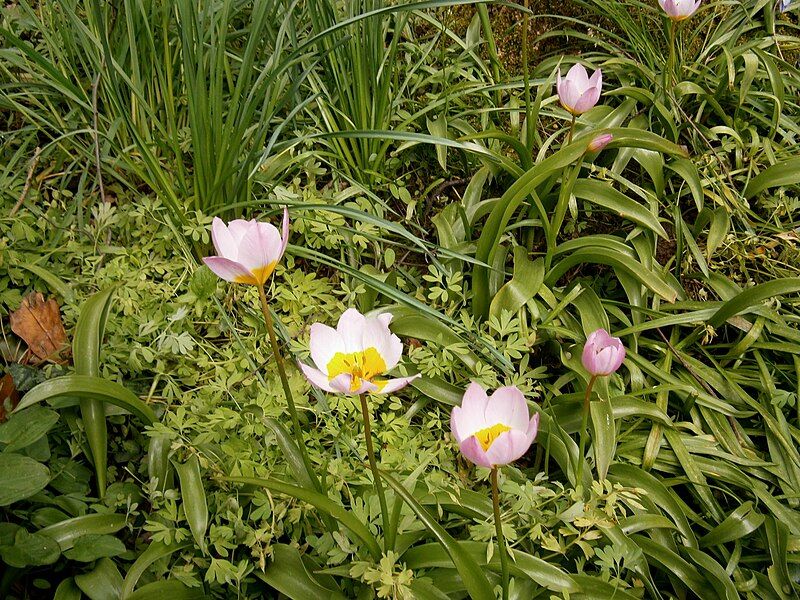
pixel 361 366
pixel 259 275
pixel 486 437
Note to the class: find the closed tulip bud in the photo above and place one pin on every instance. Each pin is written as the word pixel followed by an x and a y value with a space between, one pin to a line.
pixel 247 251
pixel 602 354
pixel 352 358
pixel 494 430
pixel 600 142
pixel 577 91
pixel 679 10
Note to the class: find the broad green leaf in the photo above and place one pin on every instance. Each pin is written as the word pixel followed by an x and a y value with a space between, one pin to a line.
pixel 20 477
pixel 602 194
pixel 90 547
pixel 604 436
pixel 30 550
pixel 741 522
pixel 154 552
pixel 24 428
pixel 780 174
pixel 67 590
pixel 102 583
pixel 167 590
pixel 524 285
pixel 751 298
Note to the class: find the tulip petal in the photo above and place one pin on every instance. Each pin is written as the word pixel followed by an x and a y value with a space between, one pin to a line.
pixel 284 233
pixel 319 379
pixel 578 76
pixel 507 406
pixel 472 451
pixel 229 270
pixel 224 243
pixel 376 334
pixel 586 101
pixel 471 416
pixel 533 428
pixel 392 385
pixel 508 447
pixel 324 344
pixel 260 248
pixel 351 328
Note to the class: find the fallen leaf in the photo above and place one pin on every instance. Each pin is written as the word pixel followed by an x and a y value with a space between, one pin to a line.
pixel 9 397
pixel 38 322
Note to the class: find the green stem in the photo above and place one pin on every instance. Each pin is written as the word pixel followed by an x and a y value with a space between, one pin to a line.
pixel 494 59
pixel 501 540
pixel 584 431
pixel 671 59
pixel 388 533
pixel 571 129
pixel 287 391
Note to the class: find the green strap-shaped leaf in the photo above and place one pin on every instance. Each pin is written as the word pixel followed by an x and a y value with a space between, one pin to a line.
pixel 167 590
pixel 66 532
pixel 86 356
pixel 154 552
pixel 193 495
pixel 782 173
pixel 476 583
pixel 288 575
pixel 752 298
pixel 102 583
pixel 92 388
pixel 345 517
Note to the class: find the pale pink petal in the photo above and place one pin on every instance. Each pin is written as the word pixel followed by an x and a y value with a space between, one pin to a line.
pixel 385 318
pixel 238 228
pixel 260 246
pixel 325 342
pixel 587 100
pixel 366 387
pixel 376 334
pixel 471 417
pixel 569 95
pixel 533 428
pixel 224 243
pixel 507 406
pixel 455 416
pixel 392 385
pixel 317 377
pixel 228 269
pixel 559 83
pixel 284 233
pixel 508 447
pixel 351 328
pixel 596 80
pixel 578 76
pixel 472 451
pixel 342 384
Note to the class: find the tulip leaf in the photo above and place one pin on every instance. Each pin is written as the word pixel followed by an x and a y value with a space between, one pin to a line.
pixel 475 582
pixel 604 436
pixel 193 495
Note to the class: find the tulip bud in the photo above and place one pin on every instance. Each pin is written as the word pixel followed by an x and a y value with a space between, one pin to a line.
pixel 602 354
pixel 600 142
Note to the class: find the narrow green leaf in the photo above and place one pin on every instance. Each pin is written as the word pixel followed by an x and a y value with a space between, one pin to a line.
pixel 102 583
pixel 474 580
pixel 154 552
pixel 287 574
pixel 193 495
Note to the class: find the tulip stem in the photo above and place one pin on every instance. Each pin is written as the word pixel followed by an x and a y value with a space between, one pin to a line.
pixel 571 129
pixel 501 540
pixel 388 534
pixel 287 391
pixel 584 430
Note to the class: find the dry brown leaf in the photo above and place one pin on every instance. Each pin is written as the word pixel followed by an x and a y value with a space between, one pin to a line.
pixel 38 322
pixel 9 397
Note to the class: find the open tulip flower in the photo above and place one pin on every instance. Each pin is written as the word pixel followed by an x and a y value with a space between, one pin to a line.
pixel 679 10
pixel 352 358
pixel 247 251
pixel 577 91
pixel 493 430
pixel 602 353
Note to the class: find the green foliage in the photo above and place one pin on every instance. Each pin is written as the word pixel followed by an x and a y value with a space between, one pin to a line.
pixel 424 179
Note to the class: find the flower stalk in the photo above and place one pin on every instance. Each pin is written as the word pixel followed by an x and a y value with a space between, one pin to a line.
pixel 584 429
pixel 388 534
pixel 287 390
pixel 501 540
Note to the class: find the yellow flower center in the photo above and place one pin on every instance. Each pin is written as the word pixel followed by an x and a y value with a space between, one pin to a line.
pixel 361 366
pixel 486 437
pixel 259 275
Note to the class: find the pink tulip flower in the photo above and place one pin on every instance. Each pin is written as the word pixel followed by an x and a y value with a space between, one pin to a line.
pixel 577 91
pixel 679 10
pixel 493 430
pixel 247 251
pixel 600 142
pixel 602 354
pixel 351 358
